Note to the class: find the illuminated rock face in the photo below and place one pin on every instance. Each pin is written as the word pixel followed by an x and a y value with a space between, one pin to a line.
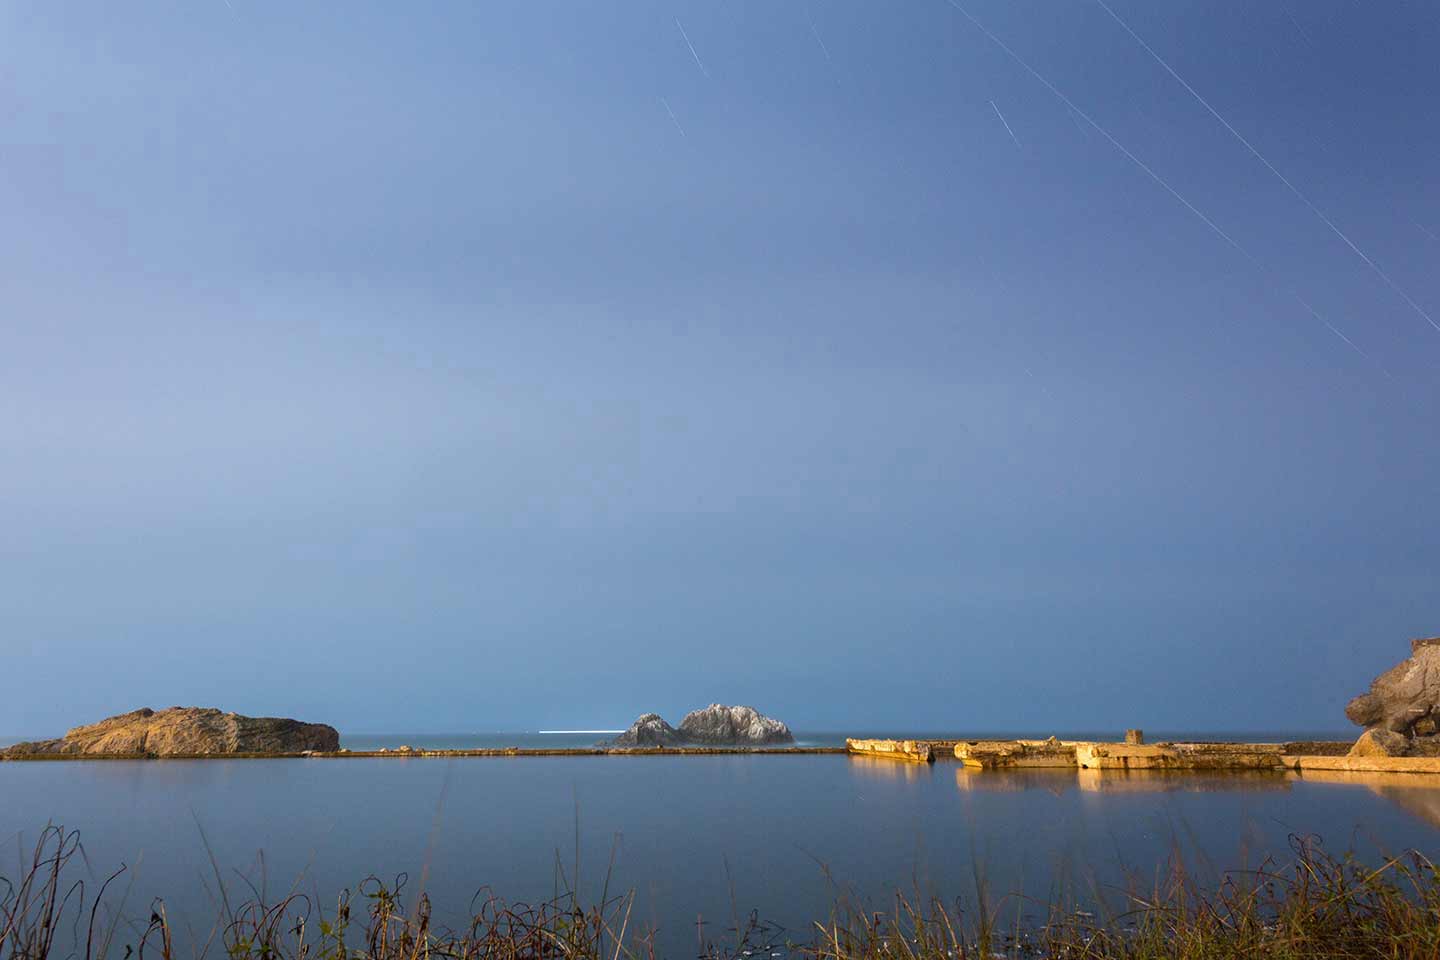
pixel 1402 706
pixel 733 726
pixel 715 726
pixel 1180 756
pixel 1379 742
pixel 918 750
pixel 186 731
pixel 1000 754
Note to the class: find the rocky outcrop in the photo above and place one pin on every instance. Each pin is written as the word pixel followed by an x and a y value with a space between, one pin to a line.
pixel 996 754
pixel 650 730
pixel 733 726
pixel 1379 742
pixel 1180 756
pixel 715 726
pixel 1406 698
pixel 184 731
pixel 920 751
pixel 1401 710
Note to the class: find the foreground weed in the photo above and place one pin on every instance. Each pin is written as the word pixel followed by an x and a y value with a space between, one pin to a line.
pixel 1315 906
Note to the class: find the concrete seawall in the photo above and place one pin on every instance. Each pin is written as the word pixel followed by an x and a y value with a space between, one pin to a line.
pixel 994 754
pixel 1180 756
pixel 915 751
pixel 1407 765
pixel 1132 755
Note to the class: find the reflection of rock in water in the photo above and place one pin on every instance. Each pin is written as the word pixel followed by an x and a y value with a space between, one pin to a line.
pixel 880 768
pixel 1422 802
pixel 1416 794
pixel 1114 781
pixel 1179 781
pixel 1056 780
pixel 1013 780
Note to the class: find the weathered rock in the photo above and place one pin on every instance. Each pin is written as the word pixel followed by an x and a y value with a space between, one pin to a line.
pixel 716 725
pixel 1424 747
pixel 1179 756
pixel 1405 695
pixel 919 751
pixel 1316 748
pixel 183 731
pixel 650 730
pixel 1380 742
pixel 737 726
pixel 1000 754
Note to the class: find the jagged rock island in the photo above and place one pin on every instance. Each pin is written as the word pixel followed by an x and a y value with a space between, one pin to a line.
pixel 184 731
pixel 715 726
pixel 1401 710
pixel 649 730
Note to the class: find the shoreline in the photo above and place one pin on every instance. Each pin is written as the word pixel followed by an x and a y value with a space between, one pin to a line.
pixel 1295 765
pixel 1205 757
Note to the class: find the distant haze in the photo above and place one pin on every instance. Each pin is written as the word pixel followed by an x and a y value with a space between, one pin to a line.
pixel 529 366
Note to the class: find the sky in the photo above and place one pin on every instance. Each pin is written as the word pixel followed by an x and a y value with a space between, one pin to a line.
pixel 507 366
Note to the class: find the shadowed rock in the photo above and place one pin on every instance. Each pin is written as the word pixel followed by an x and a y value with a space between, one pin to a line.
pixel 182 731
pixel 733 726
pixel 650 730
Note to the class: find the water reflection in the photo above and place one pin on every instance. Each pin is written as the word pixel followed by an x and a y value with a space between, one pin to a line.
pixel 1051 780
pixel 882 768
pixel 1415 794
pixel 1172 781
pixel 1058 781
pixel 696 835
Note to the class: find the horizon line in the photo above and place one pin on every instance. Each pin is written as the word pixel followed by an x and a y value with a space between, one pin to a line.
pixel 580 731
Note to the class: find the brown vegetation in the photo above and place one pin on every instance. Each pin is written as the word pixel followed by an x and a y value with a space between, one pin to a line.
pixel 1317 906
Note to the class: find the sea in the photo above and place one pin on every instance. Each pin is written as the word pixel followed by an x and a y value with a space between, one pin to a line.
pixel 699 840
pixel 536 739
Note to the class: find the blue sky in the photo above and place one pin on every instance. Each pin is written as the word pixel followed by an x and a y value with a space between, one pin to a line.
pixel 475 366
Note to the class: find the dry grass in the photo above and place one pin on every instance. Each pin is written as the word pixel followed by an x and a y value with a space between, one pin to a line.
pixel 1315 906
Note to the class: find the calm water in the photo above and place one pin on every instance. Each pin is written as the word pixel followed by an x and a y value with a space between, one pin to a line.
pixel 830 738
pixel 679 825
